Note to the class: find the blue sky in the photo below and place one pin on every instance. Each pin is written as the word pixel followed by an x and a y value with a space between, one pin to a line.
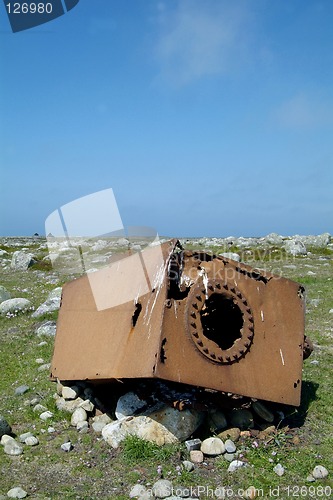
pixel 206 117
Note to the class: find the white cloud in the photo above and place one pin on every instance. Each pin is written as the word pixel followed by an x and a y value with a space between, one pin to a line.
pixel 304 111
pixel 200 38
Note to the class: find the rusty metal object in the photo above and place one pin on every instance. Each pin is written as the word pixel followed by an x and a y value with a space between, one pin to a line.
pixel 188 317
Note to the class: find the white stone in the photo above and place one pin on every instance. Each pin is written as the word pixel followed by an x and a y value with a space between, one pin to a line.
pixel 295 247
pixel 23 437
pixel 87 405
pixel 45 415
pixel 67 405
pixel 67 446
pixel 78 415
pixel 100 421
pixel 143 427
pixel 82 426
pixel 137 490
pixel 273 239
pixel 162 488
pixel 44 367
pixel 279 470
pixel 319 472
pixel 212 446
pixel 13 448
pixel 17 492
pixel 5 439
pixel 39 407
pixel 13 306
pixel 70 392
pixel 31 441
pixel 236 464
pixel 330 311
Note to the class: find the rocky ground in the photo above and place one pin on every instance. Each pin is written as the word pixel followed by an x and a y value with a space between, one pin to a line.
pixel 81 441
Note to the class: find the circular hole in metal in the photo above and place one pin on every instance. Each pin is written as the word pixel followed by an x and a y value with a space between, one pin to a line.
pixel 222 320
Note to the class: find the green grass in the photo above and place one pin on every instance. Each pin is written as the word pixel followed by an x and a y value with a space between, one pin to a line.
pixel 136 450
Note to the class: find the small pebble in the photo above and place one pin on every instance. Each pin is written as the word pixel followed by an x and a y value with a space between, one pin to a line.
pixel 21 390
pixel 67 446
pixel 78 415
pixel 196 456
pixel 137 491
pixel 236 464
pixel 193 444
pixel 31 441
pixel 279 470
pixel 310 478
pixel 34 401
pixel 23 437
pixel 188 466
pixel 230 446
pixel 87 405
pixel 319 472
pixel 45 415
pixel 229 456
pixel 45 367
pixel 39 407
pixel 17 493
pixel 70 392
pixel 82 426
pixel 39 361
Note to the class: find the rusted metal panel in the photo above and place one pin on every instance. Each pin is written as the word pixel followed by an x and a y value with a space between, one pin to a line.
pixel 188 317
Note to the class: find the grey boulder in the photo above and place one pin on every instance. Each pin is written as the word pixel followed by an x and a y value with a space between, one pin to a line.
pixel 51 304
pixel 21 261
pixel 14 306
pixel 48 328
pixel 295 247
